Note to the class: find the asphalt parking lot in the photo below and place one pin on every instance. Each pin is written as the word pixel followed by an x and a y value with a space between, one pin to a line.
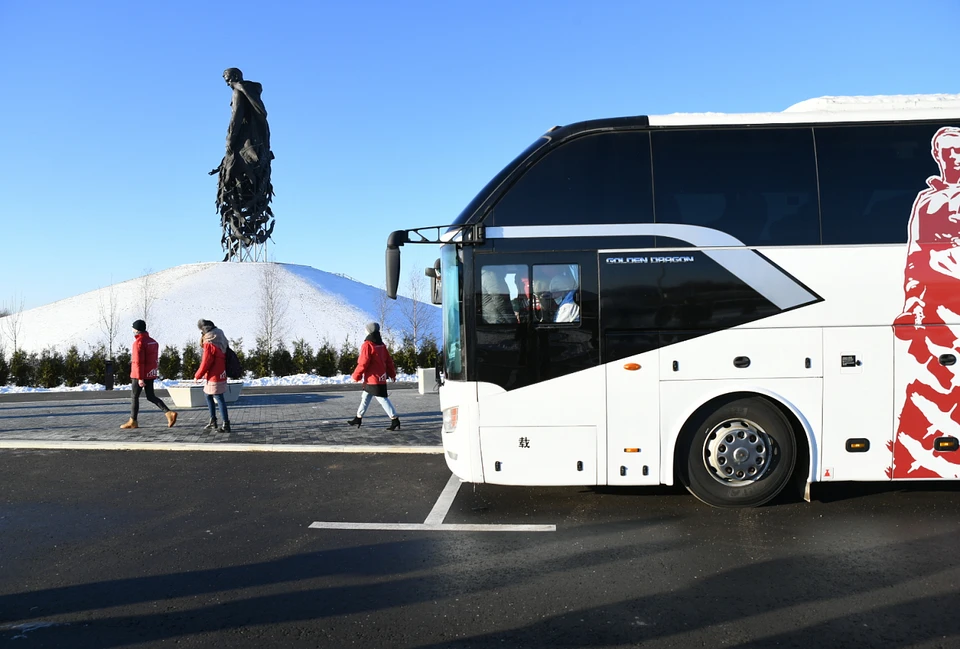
pixel 129 548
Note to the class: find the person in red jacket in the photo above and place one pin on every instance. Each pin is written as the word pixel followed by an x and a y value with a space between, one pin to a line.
pixel 144 359
pixel 213 368
pixel 374 366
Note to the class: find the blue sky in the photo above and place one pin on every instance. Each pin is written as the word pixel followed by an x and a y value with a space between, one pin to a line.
pixel 383 115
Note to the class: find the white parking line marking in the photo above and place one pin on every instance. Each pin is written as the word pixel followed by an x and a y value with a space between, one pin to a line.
pixel 444 502
pixel 423 527
pixel 434 522
pixel 213 446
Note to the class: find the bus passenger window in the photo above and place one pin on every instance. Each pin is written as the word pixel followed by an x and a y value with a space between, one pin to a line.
pixel 504 294
pixel 869 179
pixel 556 289
pixel 757 185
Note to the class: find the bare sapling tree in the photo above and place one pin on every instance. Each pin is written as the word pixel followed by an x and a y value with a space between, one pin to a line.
pixel 413 309
pixel 108 317
pixel 273 306
pixel 383 307
pixel 146 295
pixel 13 320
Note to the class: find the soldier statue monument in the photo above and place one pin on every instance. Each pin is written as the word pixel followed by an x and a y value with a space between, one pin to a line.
pixel 245 191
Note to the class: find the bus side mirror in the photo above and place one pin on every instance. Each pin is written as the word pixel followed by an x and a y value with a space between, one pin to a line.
pixel 394 241
pixel 393 272
pixel 435 290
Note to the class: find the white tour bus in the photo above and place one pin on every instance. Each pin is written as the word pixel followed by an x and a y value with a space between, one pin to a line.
pixel 734 302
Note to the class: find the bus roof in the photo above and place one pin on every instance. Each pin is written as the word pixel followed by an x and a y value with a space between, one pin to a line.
pixel 878 108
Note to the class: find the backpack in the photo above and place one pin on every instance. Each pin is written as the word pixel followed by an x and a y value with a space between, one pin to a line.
pixel 234 368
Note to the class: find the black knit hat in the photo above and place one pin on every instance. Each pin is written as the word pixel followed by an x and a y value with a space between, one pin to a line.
pixel 139 325
pixel 201 323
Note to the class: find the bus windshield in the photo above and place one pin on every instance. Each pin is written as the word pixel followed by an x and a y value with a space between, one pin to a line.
pixel 468 212
pixel 450 290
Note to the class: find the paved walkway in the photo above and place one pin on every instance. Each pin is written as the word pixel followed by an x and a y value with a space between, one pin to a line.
pixel 262 416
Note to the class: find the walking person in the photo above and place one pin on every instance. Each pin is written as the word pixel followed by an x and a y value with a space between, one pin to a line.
pixel 144 359
pixel 213 368
pixel 374 367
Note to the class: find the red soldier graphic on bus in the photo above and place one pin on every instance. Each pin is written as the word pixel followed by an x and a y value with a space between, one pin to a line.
pixel 931 301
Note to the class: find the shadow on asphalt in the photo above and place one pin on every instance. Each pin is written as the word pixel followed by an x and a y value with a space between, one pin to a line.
pixel 72 405
pixel 281 399
pixel 635 492
pixel 390 575
pixel 830 492
pixel 119 410
pixel 822 492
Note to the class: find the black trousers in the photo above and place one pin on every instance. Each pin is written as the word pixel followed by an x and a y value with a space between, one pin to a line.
pixel 151 397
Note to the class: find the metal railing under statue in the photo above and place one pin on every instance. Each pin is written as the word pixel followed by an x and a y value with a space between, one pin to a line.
pixel 245 190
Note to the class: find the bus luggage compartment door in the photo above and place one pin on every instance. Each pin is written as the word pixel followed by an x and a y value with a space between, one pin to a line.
pixel 858 413
pixel 539 455
pixel 633 420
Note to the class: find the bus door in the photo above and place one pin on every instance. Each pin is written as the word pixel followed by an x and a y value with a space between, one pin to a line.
pixel 536 341
pixel 629 299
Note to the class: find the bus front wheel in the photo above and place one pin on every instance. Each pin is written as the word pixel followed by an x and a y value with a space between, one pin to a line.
pixel 741 454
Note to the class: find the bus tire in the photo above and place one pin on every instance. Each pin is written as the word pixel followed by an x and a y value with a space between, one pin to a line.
pixel 742 454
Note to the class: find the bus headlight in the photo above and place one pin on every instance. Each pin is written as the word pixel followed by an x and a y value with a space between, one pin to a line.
pixel 450 419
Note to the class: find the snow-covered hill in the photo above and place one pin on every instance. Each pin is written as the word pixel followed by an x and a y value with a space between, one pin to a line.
pixel 315 305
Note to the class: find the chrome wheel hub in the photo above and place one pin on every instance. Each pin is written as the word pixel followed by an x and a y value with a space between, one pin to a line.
pixel 737 452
